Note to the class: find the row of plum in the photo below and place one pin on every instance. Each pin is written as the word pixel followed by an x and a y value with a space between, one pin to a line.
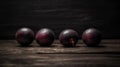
pixel 68 37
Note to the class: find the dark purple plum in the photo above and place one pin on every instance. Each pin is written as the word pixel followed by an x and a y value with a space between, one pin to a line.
pixel 69 38
pixel 91 37
pixel 24 36
pixel 45 37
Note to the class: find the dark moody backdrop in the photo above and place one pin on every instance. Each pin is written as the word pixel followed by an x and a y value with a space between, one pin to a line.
pixel 59 15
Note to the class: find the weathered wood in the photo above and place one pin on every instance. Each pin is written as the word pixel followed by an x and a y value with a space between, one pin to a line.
pixel 107 55
pixel 85 60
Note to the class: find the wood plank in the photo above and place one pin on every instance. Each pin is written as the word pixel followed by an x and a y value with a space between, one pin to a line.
pixel 11 46
pixel 107 55
pixel 85 60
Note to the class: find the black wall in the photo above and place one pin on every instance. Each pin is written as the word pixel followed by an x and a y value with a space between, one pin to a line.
pixel 59 15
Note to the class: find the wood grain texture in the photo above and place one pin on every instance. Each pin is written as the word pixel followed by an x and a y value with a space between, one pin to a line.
pixel 59 15
pixel 106 55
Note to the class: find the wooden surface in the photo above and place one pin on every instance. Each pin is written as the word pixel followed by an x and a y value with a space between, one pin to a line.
pixel 106 55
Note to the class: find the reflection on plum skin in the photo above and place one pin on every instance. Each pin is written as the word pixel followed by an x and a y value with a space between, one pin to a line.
pixel 92 37
pixel 24 36
pixel 45 37
pixel 68 38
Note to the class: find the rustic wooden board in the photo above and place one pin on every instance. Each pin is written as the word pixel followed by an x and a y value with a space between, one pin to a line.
pixel 106 55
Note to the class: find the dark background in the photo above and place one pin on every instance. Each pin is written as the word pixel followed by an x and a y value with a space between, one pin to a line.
pixel 59 15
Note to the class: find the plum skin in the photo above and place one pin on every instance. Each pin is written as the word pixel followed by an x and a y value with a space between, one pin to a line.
pixel 92 37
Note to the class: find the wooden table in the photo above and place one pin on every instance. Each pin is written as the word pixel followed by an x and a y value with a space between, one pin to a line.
pixel 106 55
